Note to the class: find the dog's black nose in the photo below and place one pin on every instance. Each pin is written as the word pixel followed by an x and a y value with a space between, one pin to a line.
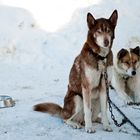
pixel 106 42
pixel 133 73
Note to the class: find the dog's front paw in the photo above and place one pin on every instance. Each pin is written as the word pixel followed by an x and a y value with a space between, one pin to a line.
pixel 137 100
pixel 107 128
pixel 90 129
pixel 129 101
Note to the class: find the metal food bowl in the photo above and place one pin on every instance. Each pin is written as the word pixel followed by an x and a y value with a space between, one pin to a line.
pixel 6 101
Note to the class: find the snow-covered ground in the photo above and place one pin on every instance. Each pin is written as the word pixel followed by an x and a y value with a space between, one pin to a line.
pixel 35 64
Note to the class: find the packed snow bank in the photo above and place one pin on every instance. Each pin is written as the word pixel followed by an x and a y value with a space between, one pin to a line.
pixel 48 12
pixel 34 67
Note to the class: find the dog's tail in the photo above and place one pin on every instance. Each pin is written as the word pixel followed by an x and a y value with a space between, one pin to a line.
pixel 51 108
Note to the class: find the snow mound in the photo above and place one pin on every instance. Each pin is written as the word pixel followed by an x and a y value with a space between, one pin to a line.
pixel 34 67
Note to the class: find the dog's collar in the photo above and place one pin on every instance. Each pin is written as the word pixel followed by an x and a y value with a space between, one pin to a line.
pixel 96 55
pixel 100 57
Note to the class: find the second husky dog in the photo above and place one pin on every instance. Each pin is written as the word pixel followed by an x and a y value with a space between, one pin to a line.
pixel 126 74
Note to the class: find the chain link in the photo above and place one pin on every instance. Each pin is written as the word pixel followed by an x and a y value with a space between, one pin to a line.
pixel 125 119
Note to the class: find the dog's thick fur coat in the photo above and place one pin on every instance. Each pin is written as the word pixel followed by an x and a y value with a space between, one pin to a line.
pixel 86 95
pixel 126 75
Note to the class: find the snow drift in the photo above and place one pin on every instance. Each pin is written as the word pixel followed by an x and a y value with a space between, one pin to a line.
pixel 35 64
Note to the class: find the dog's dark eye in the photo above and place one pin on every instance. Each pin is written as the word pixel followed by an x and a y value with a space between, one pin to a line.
pixel 108 31
pixel 134 62
pixel 127 63
pixel 98 31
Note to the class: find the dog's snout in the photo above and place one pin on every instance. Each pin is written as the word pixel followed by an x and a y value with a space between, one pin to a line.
pixel 133 73
pixel 106 42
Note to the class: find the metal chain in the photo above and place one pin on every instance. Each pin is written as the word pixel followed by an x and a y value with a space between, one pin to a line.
pixel 131 103
pixel 125 119
pixel 109 103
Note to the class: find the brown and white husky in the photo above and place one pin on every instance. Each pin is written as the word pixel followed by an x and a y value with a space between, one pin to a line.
pixel 86 94
pixel 126 74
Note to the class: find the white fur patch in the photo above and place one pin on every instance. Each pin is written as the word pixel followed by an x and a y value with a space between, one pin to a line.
pixel 129 71
pixel 92 75
pixel 104 51
pixel 100 40
pixel 88 112
pixel 109 73
pixel 78 104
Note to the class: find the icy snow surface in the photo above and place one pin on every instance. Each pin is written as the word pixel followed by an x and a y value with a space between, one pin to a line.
pixel 35 64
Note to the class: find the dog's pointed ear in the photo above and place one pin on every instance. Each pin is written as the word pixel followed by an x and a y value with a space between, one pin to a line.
pixel 113 18
pixel 90 20
pixel 136 50
pixel 121 53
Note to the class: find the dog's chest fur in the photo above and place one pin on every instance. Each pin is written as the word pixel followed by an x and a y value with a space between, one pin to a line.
pixel 130 85
pixel 93 75
pixel 86 70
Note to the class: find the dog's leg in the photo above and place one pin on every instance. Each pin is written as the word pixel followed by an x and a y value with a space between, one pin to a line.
pixel 79 109
pixel 103 102
pixel 87 110
pixel 119 85
pixel 77 118
pixel 96 110
pixel 137 97
pixel 127 99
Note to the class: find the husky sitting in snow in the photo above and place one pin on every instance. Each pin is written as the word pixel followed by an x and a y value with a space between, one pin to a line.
pixel 86 94
pixel 126 74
